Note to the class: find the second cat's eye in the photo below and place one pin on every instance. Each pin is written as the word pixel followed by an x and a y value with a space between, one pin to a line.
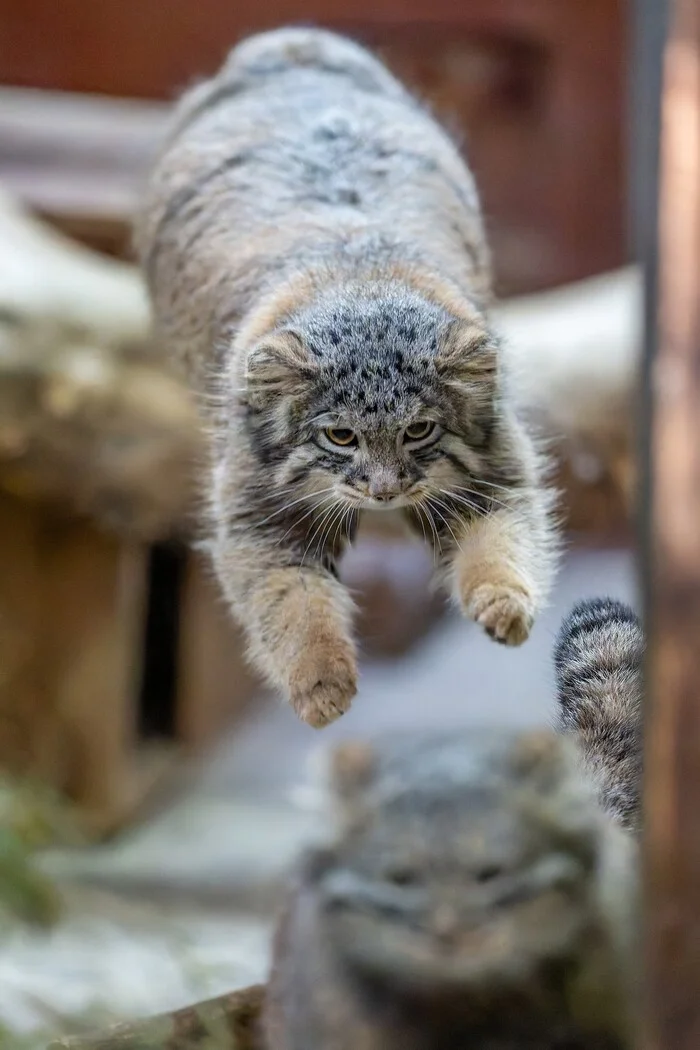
pixel 419 431
pixel 343 436
pixel 401 875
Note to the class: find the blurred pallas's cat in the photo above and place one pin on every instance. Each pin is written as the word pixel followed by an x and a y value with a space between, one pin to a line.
pixel 316 259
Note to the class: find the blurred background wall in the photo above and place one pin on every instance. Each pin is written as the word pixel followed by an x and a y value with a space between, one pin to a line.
pixel 536 87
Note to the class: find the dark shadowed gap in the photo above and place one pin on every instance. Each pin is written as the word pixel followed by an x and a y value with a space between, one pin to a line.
pixel 157 716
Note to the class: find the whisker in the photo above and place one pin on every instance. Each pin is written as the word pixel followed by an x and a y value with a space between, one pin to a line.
pixel 327 515
pixel 298 521
pixel 474 492
pixel 294 502
pixel 319 525
pixel 418 509
pixel 493 484
pixel 433 529
pixel 337 522
pixel 326 525
pixel 445 521
pixel 479 511
pixel 489 484
pixel 337 535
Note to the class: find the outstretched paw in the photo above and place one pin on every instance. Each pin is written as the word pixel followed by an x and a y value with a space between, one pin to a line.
pixel 505 613
pixel 323 681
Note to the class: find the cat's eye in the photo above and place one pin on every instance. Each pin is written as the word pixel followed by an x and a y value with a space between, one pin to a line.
pixel 341 435
pixel 402 875
pixel 419 431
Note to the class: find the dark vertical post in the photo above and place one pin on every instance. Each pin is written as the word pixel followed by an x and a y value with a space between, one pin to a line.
pixel 672 796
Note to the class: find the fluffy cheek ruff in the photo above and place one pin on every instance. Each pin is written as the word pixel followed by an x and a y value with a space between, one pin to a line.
pixel 281 443
pixel 451 467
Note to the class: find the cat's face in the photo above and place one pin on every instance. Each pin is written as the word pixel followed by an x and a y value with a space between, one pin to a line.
pixel 377 403
pixel 459 859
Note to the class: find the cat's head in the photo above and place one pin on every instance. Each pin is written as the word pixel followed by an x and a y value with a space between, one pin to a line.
pixel 465 864
pixel 376 401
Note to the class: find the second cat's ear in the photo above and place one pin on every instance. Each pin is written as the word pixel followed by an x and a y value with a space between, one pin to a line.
pixel 353 768
pixel 279 366
pixel 468 353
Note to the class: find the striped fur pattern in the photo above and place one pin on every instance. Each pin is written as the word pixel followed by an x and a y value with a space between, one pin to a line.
pixel 599 663
pixel 316 259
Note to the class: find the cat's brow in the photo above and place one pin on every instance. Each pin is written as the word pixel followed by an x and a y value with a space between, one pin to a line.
pixel 323 418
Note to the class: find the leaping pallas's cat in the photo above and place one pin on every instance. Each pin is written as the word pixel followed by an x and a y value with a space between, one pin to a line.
pixel 599 663
pixel 316 259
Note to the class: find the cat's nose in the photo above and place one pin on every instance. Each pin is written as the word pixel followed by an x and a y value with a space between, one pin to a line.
pixel 384 490
pixel 446 923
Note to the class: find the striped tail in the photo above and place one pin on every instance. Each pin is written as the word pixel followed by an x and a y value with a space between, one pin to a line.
pixel 598 661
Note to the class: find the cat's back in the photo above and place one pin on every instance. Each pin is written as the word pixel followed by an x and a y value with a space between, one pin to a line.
pixel 304 147
pixel 314 119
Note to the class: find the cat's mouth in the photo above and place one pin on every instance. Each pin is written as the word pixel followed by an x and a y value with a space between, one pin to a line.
pixel 393 501
pixel 504 945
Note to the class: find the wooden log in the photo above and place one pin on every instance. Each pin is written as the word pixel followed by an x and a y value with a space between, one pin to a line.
pixel 46 278
pixel 575 351
pixel 88 419
pixel 87 433
pixel 92 617
pixel 31 738
pixel 214 681
pixel 673 721
pixel 71 621
pixel 229 1022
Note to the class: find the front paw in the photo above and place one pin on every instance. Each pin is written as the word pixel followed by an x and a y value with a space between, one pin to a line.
pixel 505 613
pixel 323 680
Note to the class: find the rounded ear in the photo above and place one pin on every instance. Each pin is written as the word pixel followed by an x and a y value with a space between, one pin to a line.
pixel 468 353
pixel 538 750
pixel 278 366
pixel 352 768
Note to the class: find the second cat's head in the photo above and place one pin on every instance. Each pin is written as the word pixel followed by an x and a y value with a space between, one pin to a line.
pixel 376 399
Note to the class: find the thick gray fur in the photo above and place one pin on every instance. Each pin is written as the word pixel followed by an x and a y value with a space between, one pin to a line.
pixel 475 897
pixel 599 659
pixel 316 258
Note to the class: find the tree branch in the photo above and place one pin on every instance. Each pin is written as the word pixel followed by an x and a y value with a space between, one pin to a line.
pixel 228 1022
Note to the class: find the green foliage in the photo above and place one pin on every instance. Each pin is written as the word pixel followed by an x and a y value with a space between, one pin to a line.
pixel 32 816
